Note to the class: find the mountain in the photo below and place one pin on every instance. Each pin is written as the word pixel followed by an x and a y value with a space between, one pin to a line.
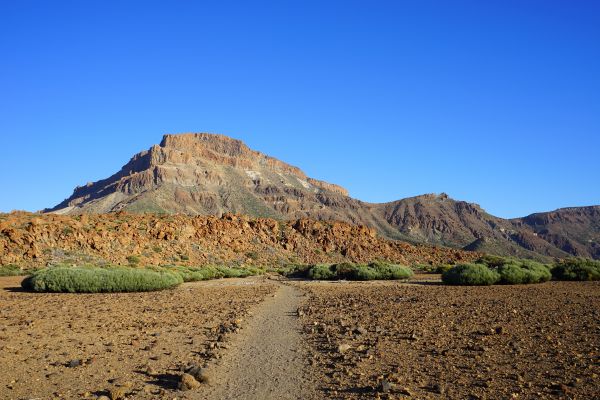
pixel 574 230
pixel 438 219
pixel 208 174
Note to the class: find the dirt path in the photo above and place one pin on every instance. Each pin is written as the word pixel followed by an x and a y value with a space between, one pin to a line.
pixel 267 359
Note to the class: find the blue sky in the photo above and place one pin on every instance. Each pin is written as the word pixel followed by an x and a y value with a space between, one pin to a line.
pixel 494 102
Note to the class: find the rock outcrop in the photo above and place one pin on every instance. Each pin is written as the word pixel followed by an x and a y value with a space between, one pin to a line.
pixel 37 240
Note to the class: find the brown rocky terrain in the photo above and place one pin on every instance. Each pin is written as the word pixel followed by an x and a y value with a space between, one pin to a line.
pixel 207 174
pixel 420 340
pixel 32 240
pixel 269 338
pixel 74 346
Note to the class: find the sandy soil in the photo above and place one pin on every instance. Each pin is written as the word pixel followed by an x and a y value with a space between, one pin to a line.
pixel 80 346
pixel 267 360
pixel 430 341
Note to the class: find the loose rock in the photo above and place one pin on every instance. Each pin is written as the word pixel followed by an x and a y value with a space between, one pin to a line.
pixel 118 393
pixel 385 386
pixel 188 382
pixel 342 348
pixel 200 374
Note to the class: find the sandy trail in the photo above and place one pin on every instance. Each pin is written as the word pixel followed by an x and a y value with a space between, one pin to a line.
pixel 267 359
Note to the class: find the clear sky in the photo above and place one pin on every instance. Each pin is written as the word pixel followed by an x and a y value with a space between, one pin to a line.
pixel 494 102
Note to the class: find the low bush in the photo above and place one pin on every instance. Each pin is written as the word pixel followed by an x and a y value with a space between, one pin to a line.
pixel 100 280
pixel 10 270
pixel 470 275
pixel 364 273
pixel 359 272
pixel 238 272
pixel 524 272
pixel 539 270
pixel 133 260
pixel 492 261
pixel 321 272
pixel 440 269
pixel 387 271
pixel 577 269
pixel 194 274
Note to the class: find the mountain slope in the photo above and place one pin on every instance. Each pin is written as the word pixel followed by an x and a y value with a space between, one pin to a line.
pixel 438 219
pixel 207 174
pixel 575 230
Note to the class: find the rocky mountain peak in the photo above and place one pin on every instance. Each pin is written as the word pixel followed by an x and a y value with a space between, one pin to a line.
pixel 199 173
pixel 191 142
pixel 220 150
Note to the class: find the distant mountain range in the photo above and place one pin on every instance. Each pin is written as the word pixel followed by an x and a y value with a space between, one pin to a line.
pixel 208 174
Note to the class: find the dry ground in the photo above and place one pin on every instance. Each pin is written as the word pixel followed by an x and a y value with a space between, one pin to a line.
pixel 129 339
pixel 268 360
pixel 433 341
pixel 261 338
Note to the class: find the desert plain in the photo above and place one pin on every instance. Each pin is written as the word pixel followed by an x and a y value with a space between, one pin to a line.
pixel 271 337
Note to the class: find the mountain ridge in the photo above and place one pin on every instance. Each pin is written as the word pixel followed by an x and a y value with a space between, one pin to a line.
pixel 212 174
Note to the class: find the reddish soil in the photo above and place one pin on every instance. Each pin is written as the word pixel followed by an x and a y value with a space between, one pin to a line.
pixel 345 340
pixel 432 341
pixel 137 341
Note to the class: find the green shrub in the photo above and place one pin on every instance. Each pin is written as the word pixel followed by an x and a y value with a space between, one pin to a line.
pixel 321 272
pixel 364 273
pixel 133 260
pixel 577 269
pixel 470 275
pixel 100 280
pixel 344 270
pixel 492 261
pixel 194 274
pixel 432 269
pixel 11 270
pixel 440 269
pixel 390 271
pixel 359 272
pixel 540 271
pixel 512 274
pixel 516 274
pixel 237 272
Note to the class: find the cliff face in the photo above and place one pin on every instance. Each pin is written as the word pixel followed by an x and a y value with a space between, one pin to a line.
pixel 207 174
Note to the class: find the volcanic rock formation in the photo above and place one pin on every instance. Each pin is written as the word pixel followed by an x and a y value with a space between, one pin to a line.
pixel 38 240
pixel 207 174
